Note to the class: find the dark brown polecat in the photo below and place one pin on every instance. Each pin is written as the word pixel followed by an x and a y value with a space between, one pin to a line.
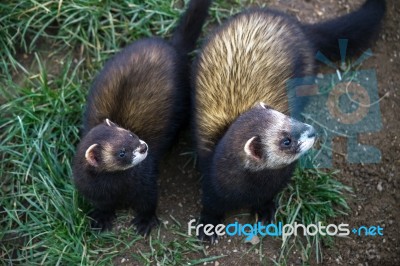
pixel 144 91
pixel 247 151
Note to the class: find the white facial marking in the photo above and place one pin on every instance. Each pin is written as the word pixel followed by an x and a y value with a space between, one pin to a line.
pixel 305 141
pixel 139 156
pixel 278 115
pixel 108 156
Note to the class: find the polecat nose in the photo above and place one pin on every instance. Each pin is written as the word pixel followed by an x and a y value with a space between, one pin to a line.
pixel 311 133
pixel 143 148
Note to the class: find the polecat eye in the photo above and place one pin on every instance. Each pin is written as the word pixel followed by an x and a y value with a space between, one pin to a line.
pixel 286 142
pixel 122 153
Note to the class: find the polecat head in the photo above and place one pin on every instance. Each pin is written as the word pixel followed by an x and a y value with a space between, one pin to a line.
pixel 110 148
pixel 269 139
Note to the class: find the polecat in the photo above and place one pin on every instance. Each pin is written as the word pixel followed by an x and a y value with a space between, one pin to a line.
pixel 144 91
pixel 247 154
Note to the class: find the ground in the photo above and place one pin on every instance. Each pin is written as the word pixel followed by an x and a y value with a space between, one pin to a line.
pixel 376 186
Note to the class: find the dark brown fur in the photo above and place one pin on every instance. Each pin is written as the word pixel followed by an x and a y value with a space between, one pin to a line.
pixel 138 90
pixel 144 89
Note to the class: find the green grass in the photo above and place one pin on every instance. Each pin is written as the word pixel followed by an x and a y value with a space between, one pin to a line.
pixel 95 29
pixel 313 196
pixel 41 105
pixel 41 216
pixel 173 252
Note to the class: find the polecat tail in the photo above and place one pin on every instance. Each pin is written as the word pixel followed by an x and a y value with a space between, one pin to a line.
pixel 358 27
pixel 190 25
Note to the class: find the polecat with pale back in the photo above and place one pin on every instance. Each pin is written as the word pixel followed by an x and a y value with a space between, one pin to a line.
pixel 247 150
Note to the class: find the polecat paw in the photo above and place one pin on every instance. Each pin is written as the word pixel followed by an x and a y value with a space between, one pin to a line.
pixel 267 214
pixel 144 224
pixel 213 238
pixel 102 220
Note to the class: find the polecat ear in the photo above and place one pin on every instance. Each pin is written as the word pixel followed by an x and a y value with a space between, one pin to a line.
pixel 263 105
pixel 253 148
pixel 109 123
pixel 91 156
